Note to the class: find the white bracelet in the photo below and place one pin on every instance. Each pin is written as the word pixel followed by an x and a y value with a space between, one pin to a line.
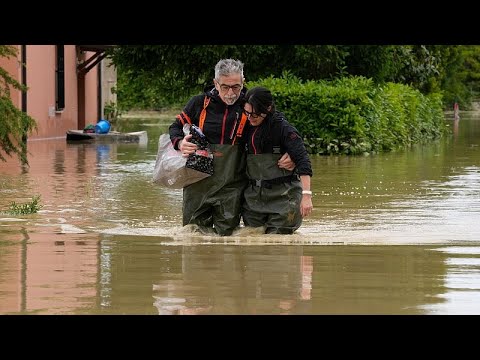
pixel 306 192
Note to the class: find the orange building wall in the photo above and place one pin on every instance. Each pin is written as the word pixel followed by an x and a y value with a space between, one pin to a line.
pixel 12 65
pixel 91 94
pixel 51 264
pixel 41 93
pixel 41 90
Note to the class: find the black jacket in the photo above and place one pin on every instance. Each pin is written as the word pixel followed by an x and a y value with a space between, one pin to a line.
pixel 220 121
pixel 276 135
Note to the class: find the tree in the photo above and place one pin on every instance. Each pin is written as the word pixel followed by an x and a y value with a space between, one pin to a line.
pixel 159 75
pixel 153 76
pixel 14 123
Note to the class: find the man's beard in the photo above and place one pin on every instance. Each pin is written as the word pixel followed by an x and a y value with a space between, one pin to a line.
pixel 230 100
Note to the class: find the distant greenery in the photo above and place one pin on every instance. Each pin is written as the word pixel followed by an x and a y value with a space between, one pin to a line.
pixel 464 85
pixel 15 125
pixel 31 207
pixel 156 76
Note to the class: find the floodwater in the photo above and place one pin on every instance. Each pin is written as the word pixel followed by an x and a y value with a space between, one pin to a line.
pixel 395 233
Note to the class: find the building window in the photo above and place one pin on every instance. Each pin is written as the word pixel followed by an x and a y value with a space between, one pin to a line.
pixel 60 78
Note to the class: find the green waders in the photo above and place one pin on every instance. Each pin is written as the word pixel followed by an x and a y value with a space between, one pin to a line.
pixel 216 200
pixel 274 204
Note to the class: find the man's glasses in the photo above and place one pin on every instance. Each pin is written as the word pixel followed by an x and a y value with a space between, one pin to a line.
pixel 236 88
pixel 252 114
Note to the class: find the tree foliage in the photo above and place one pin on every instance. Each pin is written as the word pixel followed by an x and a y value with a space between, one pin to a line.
pixel 470 71
pixel 14 124
pixel 463 83
pixel 178 71
pixel 162 74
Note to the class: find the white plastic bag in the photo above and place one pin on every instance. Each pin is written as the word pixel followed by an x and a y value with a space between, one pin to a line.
pixel 170 169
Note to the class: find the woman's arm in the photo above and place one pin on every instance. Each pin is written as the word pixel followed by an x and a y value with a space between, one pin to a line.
pixel 306 205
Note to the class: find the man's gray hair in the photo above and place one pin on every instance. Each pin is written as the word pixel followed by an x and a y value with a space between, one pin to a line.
pixel 227 67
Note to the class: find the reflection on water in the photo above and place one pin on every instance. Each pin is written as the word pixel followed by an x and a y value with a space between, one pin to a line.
pixel 462 282
pixel 108 240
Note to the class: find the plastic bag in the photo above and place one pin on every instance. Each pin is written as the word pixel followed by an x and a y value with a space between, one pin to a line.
pixel 170 169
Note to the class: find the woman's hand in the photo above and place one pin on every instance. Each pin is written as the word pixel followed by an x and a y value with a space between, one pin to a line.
pixel 306 205
pixel 285 162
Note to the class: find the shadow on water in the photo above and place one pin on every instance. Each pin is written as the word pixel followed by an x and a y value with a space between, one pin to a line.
pixel 108 240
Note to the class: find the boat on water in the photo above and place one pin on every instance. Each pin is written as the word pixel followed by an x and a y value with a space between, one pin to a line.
pixel 139 137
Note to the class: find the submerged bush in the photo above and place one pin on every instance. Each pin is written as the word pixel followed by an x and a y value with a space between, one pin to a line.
pixel 26 208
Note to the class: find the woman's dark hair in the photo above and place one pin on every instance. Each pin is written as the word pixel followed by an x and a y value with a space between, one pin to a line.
pixel 260 98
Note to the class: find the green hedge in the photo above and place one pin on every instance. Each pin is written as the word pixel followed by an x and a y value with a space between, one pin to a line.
pixel 352 115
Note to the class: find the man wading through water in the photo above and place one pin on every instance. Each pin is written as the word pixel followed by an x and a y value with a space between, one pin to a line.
pixel 214 203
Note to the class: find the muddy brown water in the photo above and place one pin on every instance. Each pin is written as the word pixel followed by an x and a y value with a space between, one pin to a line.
pixel 395 233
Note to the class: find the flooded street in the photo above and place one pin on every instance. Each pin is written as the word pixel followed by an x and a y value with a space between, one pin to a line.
pixel 395 233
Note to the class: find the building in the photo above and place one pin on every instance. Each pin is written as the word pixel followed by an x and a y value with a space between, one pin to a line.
pixel 68 86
